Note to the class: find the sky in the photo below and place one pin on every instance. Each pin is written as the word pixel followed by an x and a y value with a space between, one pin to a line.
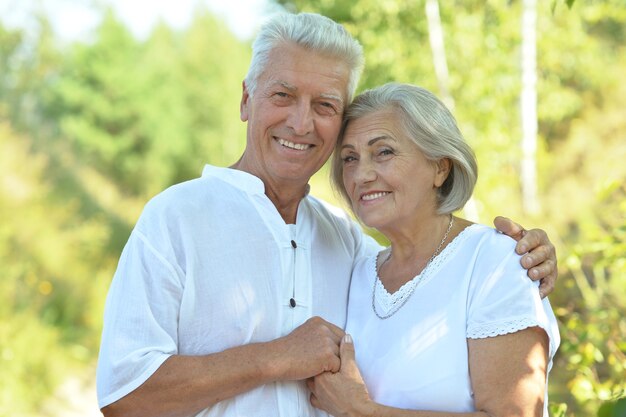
pixel 76 19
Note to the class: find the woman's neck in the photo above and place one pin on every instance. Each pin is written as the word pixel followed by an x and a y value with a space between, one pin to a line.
pixel 412 249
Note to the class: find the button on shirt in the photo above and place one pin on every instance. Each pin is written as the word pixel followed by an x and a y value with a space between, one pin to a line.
pixel 211 265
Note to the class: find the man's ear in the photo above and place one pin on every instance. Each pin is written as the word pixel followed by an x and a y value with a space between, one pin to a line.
pixel 243 106
pixel 442 170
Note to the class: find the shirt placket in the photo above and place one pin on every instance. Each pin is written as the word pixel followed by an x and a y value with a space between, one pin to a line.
pixel 296 307
pixel 293 244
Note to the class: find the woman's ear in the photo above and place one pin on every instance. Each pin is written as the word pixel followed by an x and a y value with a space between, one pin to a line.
pixel 442 170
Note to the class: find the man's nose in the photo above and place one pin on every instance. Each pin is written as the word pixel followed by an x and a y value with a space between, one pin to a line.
pixel 301 119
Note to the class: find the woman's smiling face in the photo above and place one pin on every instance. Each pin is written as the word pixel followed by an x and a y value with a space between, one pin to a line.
pixel 388 179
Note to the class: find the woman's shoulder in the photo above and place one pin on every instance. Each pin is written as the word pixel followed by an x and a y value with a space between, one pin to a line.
pixel 490 260
pixel 485 240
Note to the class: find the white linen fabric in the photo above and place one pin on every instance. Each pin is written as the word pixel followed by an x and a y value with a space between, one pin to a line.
pixel 210 265
pixel 417 358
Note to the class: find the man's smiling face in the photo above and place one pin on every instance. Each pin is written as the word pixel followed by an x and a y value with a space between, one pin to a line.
pixel 295 114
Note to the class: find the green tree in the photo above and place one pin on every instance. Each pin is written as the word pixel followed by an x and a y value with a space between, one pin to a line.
pixel 149 114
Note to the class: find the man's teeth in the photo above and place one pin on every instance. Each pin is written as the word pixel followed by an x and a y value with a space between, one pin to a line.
pixel 298 146
pixel 373 196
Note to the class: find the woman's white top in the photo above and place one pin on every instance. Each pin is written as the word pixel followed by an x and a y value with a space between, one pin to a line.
pixel 418 358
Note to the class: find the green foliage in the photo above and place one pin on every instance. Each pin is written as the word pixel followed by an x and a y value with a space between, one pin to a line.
pixel 613 409
pixel 47 281
pixel 590 176
pixel 148 115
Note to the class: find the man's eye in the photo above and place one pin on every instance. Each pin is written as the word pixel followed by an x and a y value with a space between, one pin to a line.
pixel 280 98
pixel 327 108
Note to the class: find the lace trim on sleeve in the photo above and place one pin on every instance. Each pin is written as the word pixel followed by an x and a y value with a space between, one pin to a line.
pixel 482 331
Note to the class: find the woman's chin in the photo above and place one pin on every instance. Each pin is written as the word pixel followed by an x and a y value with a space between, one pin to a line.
pixel 371 221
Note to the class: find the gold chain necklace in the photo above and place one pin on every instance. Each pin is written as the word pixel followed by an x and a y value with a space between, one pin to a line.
pixel 422 275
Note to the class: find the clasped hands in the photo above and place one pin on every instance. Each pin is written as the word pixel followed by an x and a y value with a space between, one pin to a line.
pixel 322 354
pixel 342 393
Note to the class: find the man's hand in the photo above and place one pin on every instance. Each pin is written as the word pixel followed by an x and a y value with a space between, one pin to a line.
pixel 309 350
pixel 343 393
pixel 540 255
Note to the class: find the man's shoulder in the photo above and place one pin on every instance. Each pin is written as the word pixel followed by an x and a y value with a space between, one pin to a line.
pixel 187 200
pixel 326 210
pixel 178 194
pixel 337 221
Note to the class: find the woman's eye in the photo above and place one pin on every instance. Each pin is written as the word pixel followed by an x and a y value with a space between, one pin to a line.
pixel 348 158
pixel 385 152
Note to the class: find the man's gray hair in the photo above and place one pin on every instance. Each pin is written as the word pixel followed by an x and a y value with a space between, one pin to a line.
pixel 310 31
pixel 431 126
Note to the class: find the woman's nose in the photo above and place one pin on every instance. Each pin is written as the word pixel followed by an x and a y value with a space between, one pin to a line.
pixel 365 171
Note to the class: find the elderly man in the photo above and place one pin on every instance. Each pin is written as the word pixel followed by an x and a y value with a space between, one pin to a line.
pixel 232 288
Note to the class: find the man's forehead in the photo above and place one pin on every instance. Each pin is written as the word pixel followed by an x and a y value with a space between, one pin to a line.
pixel 297 68
pixel 329 94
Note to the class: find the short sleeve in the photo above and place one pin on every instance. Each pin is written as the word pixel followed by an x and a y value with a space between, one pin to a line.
pixel 140 320
pixel 502 299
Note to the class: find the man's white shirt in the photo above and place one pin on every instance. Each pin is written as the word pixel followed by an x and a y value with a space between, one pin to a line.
pixel 211 265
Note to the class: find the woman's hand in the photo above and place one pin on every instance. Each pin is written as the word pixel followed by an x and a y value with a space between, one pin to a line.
pixel 540 255
pixel 343 393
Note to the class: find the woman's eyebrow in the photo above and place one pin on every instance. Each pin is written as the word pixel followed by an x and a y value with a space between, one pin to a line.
pixel 377 138
pixel 369 143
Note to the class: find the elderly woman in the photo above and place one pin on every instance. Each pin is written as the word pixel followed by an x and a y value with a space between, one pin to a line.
pixel 444 321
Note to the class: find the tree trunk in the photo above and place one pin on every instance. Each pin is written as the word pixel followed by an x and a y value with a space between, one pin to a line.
pixel 528 104
pixel 435 35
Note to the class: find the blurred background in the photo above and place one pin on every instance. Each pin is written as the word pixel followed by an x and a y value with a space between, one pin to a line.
pixel 105 103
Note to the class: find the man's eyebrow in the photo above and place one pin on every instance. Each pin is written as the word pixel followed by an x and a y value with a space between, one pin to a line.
pixel 332 97
pixel 285 84
pixel 291 87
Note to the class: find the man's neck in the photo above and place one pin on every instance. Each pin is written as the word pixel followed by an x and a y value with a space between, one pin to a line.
pixel 285 202
pixel 285 195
